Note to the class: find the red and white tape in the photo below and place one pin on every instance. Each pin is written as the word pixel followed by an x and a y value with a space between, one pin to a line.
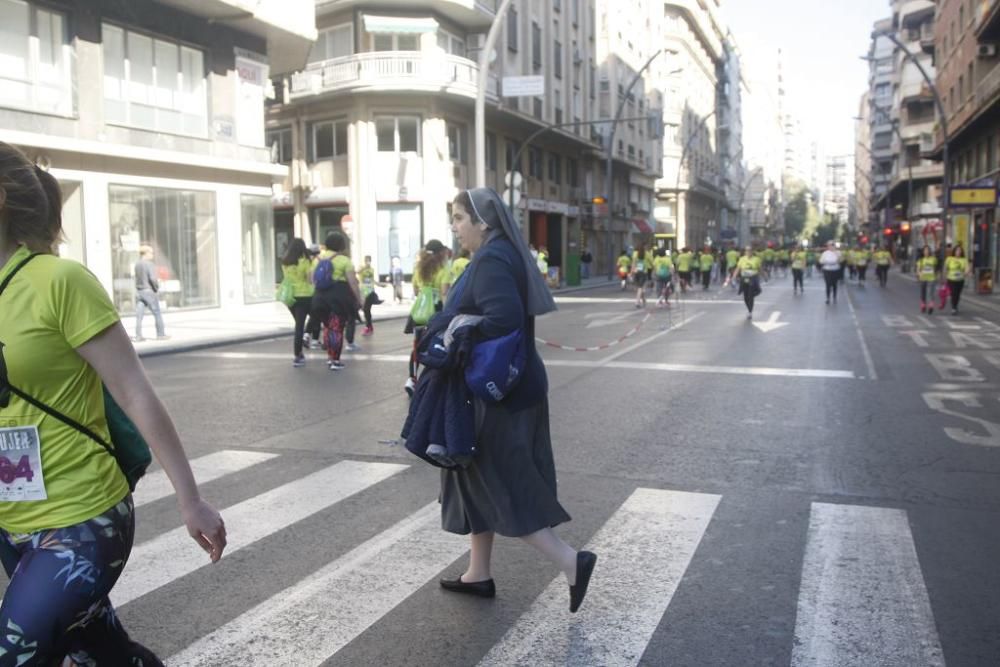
pixel 595 348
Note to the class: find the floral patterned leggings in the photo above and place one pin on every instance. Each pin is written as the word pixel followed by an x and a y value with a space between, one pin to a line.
pixel 57 602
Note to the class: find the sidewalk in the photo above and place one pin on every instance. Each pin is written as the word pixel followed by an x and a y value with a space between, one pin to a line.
pixel 989 302
pixel 195 329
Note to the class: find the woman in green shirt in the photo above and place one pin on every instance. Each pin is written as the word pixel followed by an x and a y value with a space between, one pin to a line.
pixel 748 270
pixel 296 269
pixel 956 268
pixel 927 275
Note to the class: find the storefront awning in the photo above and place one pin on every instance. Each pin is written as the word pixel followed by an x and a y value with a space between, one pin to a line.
pixel 399 24
pixel 642 226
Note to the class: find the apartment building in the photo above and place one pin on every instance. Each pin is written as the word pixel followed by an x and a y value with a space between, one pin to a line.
pixel 863 162
pixel 378 127
pixel 731 150
pixel 903 121
pixel 151 115
pixel 760 202
pixel 966 49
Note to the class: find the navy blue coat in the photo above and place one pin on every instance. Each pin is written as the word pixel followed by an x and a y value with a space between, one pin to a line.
pixel 496 289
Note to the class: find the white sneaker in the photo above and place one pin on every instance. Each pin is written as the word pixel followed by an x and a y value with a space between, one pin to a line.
pixel 351 347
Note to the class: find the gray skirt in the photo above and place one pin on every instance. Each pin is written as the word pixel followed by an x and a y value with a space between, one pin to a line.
pixel 510 487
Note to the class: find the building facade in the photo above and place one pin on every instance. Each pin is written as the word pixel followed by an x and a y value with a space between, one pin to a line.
pixel 691 193
pixel 760 202
pixel 378 128
pixel 903 122
pixel 966 49
pixel 151 116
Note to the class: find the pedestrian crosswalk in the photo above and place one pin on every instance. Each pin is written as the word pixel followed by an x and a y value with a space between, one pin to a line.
pixel 861 598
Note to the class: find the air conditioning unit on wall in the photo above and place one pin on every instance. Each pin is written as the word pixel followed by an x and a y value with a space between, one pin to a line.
pixel 986 50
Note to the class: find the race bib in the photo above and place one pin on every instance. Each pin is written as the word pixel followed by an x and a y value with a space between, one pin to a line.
pixel 640 266
pixel 21 465
pixel 927 268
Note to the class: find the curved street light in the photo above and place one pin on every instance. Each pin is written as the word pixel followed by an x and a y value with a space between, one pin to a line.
pixel 944 124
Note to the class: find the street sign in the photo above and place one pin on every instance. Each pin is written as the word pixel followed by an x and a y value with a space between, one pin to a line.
pixel 507 200
pixel 973 197
pixel 523 86
pixel 513 178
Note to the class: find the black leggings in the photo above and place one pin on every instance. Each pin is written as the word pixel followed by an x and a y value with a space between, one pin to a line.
pixel 882 270
pixel 706 278
pixel 300 310
pixel 748 286
pixel 797 279
pixel 862 270
pixel 370 300
pixel 831 278
pixel 956 287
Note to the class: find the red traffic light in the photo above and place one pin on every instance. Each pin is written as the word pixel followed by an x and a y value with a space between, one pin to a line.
pixel 887 232
pixel 904 227
pixel 864 240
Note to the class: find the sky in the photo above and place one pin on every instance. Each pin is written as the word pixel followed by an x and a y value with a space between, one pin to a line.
pixel 821 41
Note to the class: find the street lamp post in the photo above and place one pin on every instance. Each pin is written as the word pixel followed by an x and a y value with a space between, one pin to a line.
pixel 484 74
pixel 608 172
pixel 944 125
pixel 680 165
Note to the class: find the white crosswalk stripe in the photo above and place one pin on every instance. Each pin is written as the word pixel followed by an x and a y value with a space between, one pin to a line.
pixel 643 551
pixel 156 485
pixel 170 556
pixel 308 623
pixel 862 599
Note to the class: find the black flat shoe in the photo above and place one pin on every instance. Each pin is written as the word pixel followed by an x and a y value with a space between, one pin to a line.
pixel 585 561
pixel 483 589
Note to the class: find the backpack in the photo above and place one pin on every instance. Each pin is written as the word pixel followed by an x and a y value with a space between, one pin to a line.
pixel 424 306
pixel 323 275
pixel 663 271
pixel 128 448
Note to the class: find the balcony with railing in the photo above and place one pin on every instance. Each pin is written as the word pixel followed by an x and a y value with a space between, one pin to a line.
pixel 476 15
pixel 392 71
pixel 989 86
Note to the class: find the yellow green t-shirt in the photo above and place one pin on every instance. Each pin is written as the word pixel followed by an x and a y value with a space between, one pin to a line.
pixel 748 266
pixel 732 257
pixel 458 268
pixel 50 308
pixel 441 278
pixel 883 258
pixel 799 260
pixel 955 268
pixel 706 261
pixel 927 269
pixel 298 275
pixel 662 267
pixel 624 262
pixel 366 279
pixel 684 262
pixel 644 263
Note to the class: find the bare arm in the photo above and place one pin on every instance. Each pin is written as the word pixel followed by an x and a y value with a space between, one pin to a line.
pixel 111 354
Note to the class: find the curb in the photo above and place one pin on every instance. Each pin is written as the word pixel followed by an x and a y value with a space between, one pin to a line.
pixel 251 337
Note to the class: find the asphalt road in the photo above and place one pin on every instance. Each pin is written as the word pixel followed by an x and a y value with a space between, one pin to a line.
pixel 818 486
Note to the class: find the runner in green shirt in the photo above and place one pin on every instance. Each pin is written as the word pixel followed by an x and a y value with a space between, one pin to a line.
pixel 799 259
pixel 927 275
pixel 705 262
pixel 861 258
pixel 956 267
pixel 684 262
pixel 883 260
pixel 624 268
pixel 748 270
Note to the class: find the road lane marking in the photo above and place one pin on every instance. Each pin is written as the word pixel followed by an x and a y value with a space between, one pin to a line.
pixel 642 343
pixel 174 554
pixel 156 485
pixel 720 370
pixel 872 374
pixel 862 600
pixel 309 622
pixel 644 550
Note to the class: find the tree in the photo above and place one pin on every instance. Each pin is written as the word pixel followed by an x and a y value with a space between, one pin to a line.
pixel 802 217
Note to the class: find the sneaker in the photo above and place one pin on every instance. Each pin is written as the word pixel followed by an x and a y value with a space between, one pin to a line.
pixel 749 316
pixel 336 365
pixel 368 331
pixel 351 347
pixel 299 362
pixel 409 386
pixel 954 311
pixel 138 339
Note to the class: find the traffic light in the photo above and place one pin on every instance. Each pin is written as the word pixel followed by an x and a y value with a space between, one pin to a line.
pixel 904 228
pixel 887 231
pixel 864 240
pixel 598 200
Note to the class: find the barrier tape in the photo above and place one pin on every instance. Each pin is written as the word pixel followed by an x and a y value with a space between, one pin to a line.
pixel 596 348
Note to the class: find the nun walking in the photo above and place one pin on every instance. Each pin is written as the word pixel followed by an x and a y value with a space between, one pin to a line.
pixel 509 488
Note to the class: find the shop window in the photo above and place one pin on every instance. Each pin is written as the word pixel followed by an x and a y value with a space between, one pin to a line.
pixel 180 226
pixel 257 219
pixel 398 227
pixel 279 141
